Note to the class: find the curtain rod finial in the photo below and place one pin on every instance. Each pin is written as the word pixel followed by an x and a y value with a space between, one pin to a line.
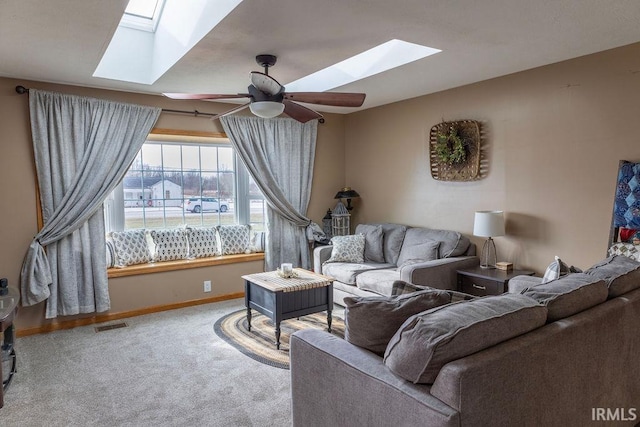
pixel 21 90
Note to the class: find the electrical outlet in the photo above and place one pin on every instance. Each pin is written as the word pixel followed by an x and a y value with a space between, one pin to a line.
pixel 207 285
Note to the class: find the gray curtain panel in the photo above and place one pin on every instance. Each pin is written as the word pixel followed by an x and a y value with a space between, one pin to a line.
pixel 279 154
pixel 83 148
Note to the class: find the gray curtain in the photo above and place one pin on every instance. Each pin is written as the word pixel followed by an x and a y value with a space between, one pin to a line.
pixel 82 148
pixel 279 154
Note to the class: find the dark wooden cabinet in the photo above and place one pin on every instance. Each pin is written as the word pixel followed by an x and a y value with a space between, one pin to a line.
pixel 482 281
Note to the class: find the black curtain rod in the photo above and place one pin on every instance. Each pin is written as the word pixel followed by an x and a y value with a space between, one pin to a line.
pixel 22 90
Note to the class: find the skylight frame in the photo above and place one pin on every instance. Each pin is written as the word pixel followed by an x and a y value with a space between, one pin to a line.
pixel 143 23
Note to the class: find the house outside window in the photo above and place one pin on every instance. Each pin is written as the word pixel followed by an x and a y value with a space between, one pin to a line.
pixel 178 180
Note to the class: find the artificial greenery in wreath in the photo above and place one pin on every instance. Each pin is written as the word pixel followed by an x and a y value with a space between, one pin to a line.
pixel 451 148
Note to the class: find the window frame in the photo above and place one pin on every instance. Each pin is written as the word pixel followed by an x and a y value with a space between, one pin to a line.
pixel 114 205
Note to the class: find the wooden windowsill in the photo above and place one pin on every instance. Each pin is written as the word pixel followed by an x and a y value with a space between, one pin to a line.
pixel 183 264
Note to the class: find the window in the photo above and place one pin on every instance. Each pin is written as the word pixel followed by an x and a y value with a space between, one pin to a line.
pixel 142 14
pixel 176 180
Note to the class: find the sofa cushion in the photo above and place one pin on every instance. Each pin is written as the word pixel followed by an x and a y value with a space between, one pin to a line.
pixel 347 249
pixel 131 247
pixel 452 243
pixel 203 242
pixel 373 237
pixel 521 283
pixel 569 295
pixel 429 340
pixel 378 281
pixel 168 245
pixel 370 322
pixel 619 272
pixel 392 241
pixel 234 239
pixel 346 272
pixel 417 251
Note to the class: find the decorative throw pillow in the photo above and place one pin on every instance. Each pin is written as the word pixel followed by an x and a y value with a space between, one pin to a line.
pixel 258 241
pixel 111 252
pixel 419 252
pixel 202 242
pixel 429 340
pixel 373 236
pixel 555 270
pixel 625 249
pixel 131 247
pixel 168 245
pixel 400 287
pixel 347 248
pixel 370 322
pixel 234 239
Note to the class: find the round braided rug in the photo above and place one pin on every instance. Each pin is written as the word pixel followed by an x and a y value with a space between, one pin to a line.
pixel 260 343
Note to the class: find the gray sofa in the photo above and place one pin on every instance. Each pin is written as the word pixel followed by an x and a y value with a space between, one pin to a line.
pixel 581 366
pixel 394 252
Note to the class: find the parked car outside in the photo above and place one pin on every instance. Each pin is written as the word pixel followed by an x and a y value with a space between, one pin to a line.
pixel 197 205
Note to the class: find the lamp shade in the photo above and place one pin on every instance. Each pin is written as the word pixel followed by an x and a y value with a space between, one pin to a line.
pixel 347 193
pixel 489 224
pixel 266 109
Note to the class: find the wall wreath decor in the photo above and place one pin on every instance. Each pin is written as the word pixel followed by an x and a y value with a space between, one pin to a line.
pixel 455 151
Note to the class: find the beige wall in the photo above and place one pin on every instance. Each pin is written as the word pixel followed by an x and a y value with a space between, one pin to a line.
pixel 555 135
pixel 18 213
pixel 554 138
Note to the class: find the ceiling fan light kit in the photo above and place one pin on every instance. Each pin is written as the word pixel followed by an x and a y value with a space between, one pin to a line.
pixel 266 109
pixel 268 99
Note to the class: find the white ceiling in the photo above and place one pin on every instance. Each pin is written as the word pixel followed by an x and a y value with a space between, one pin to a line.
pixel 62 41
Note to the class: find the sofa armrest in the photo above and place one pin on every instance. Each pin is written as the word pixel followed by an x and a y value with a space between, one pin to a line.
pixel 320 255
pixel 439 273
pixel 335 383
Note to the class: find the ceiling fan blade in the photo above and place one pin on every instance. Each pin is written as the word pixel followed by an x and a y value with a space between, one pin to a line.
pixel 233 110
pixel 266 83
pixel 300 112
pixel 338 99
pixel 204 96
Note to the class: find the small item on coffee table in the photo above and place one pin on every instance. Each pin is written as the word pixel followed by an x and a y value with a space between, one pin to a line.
pixel 286 271
pixel 506 266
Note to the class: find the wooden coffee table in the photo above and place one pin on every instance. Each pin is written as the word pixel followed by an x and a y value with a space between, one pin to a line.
pixel 281 299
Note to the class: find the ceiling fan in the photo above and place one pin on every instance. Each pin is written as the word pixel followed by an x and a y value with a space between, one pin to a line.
pixel 268 98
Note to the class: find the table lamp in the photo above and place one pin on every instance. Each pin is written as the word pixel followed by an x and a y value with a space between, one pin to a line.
pixel 488 224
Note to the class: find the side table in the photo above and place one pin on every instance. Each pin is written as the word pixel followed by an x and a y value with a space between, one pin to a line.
pixel 487 281
pixel 8 310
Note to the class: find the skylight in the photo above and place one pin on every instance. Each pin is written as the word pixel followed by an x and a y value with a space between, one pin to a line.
pixel 386 56
pixel 143 56
pixel 142 8
pixel 142 14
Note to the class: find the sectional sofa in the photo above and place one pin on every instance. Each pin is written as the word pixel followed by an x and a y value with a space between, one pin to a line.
pixel 563 353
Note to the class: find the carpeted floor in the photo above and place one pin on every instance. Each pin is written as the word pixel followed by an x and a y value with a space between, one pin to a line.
pixel 163 369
